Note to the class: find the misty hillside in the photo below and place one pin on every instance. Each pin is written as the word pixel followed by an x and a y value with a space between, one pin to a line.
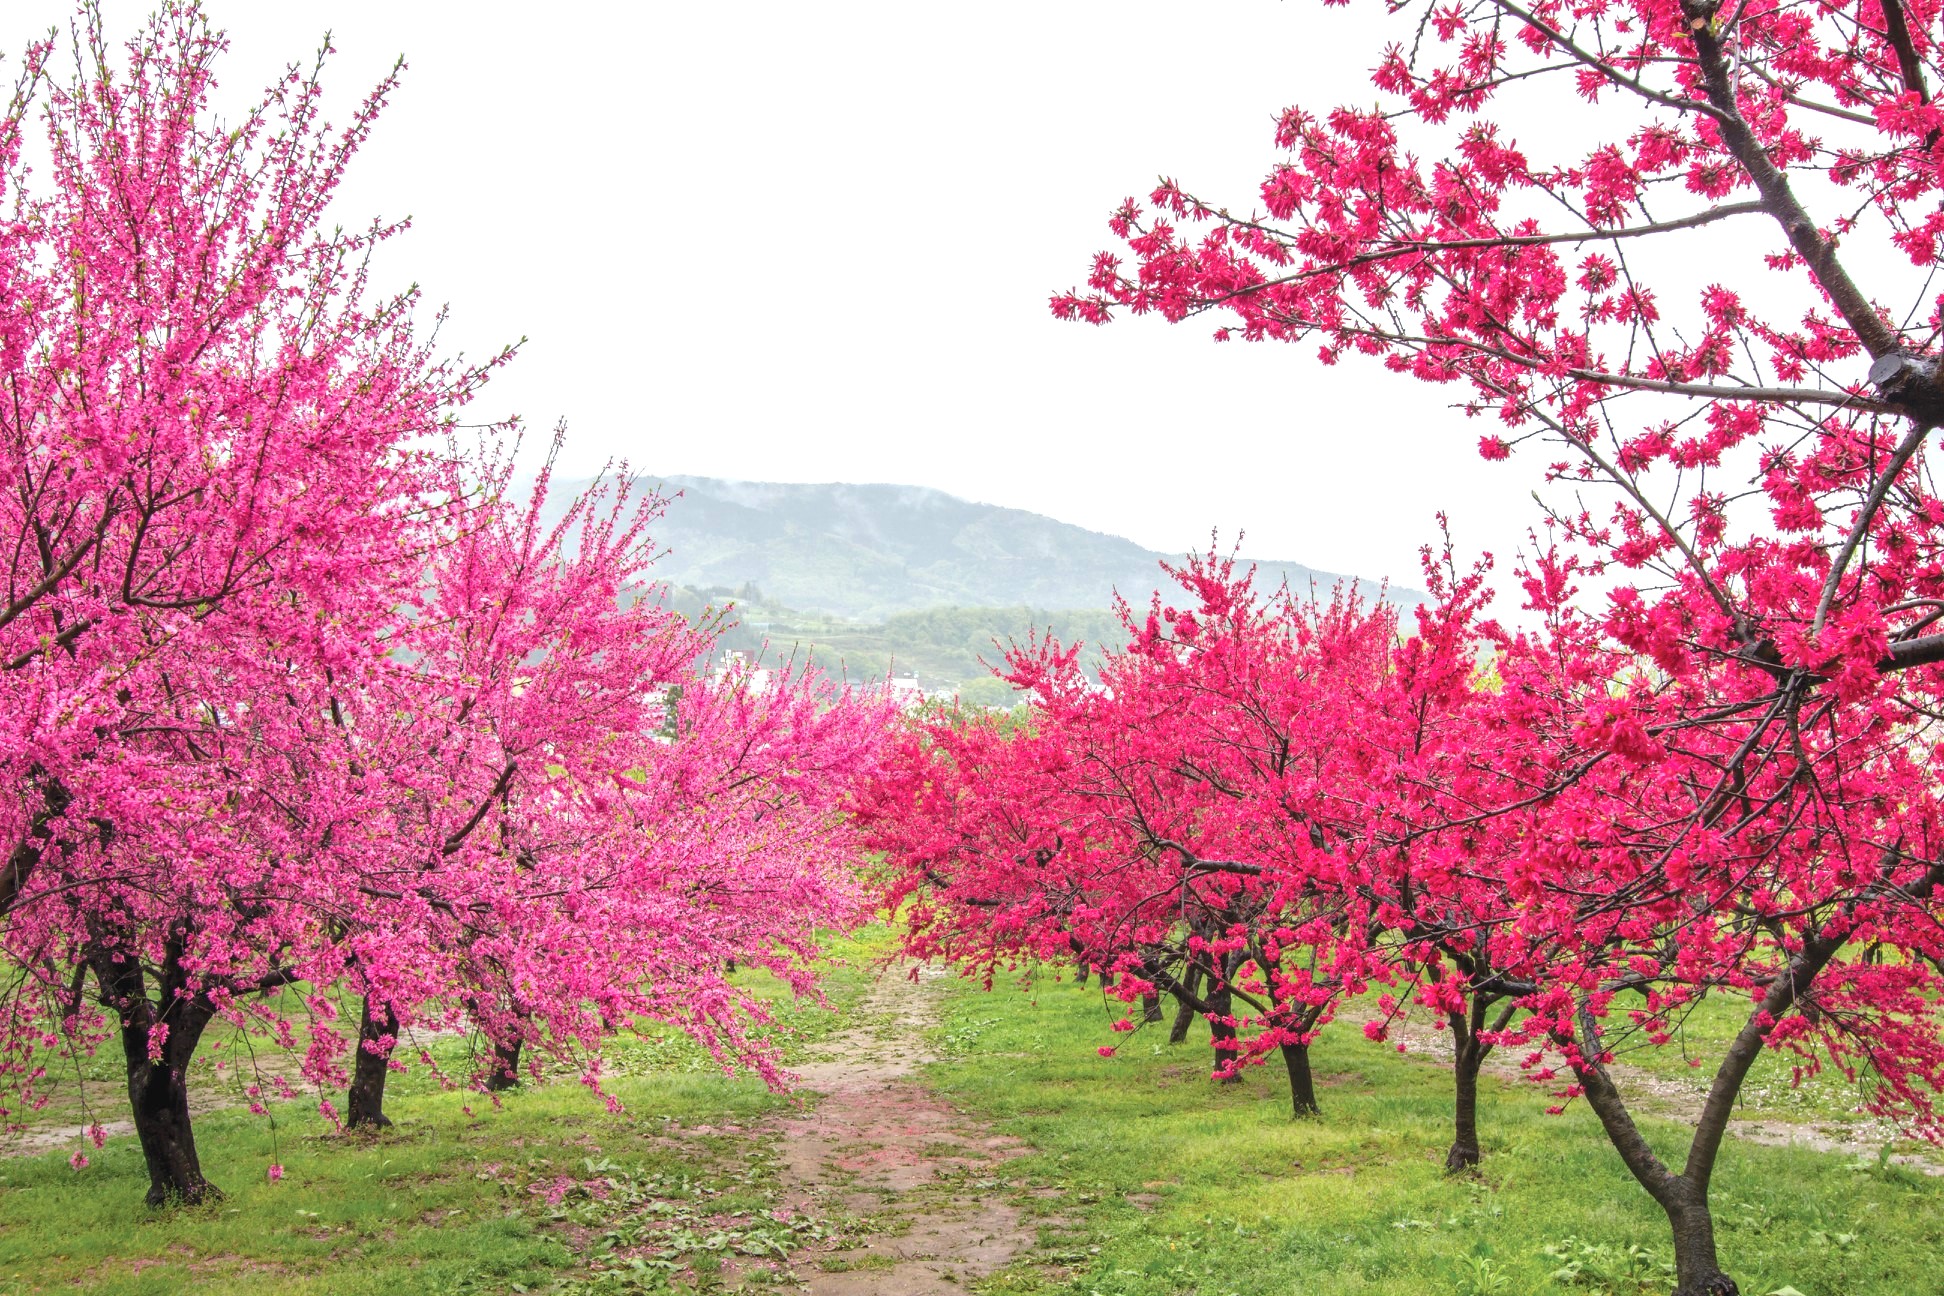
pixel 869 552
pixel 948 649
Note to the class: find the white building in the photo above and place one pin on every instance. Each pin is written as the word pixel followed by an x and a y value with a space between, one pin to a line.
pixel 736 666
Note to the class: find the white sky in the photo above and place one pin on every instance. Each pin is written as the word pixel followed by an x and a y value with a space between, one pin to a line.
pixel 814 242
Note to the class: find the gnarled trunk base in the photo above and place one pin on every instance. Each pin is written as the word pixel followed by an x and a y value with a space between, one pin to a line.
pixel 158 1098
pixel 506 1067
pixel 161 1105
pixel 1719 1285
pixel 1465 1153
pixel 158 1076
pixel 1697 1269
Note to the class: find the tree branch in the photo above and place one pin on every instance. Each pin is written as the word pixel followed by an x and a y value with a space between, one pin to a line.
pixel 1194 861
pixel 1897 32
pixel 459 835
pixel 1817 252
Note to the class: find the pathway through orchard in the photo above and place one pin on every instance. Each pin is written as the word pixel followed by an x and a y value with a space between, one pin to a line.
pixel 881 1146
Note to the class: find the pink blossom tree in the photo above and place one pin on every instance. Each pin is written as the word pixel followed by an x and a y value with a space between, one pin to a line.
pixel 294 700
pixel 222 449
pixel 1726 779
pixel 564 870
pixel 1194 824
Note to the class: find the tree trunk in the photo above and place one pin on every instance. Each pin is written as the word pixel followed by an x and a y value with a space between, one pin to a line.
pixel 505 1071
pixel 366 1105
pixel 1697 1270
pixel 1684 1196
pixel 1302 1089
pixel 1465 1153
pixel 506 1066
pixel 1221 1027
pixel 158 1089
pixel 1295 1023
pixel 1151 1007
pixel 158 1094
pixel 1080 972
pixel 1185 1015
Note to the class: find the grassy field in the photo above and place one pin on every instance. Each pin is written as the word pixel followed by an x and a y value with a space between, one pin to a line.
pixel 1145 1180
pixel 459 1197
pixel 1174 1185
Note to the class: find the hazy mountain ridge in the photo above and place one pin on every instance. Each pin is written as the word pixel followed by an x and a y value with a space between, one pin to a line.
pixel 867 552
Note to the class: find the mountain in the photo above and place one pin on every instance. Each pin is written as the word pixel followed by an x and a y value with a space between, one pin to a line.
pixel 866 553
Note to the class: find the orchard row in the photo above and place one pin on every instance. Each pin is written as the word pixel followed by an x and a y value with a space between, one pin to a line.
pixel 310 721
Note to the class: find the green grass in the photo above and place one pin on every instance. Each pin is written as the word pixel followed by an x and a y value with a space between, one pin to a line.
pixel 1168 1184
pixel 1773 1088
pixel 1701 1034
pixel 1145 1180
pixel 549 1192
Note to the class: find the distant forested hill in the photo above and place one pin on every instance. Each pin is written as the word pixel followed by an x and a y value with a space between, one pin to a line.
pixel 946 648
pixel 874 579
pixel 870 552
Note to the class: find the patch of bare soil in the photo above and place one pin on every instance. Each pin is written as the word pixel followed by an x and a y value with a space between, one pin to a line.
pixel 1656 1095
pixel 919 1175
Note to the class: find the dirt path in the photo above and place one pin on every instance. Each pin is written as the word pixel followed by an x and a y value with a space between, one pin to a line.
pixel 1656 1095
pixel 882 1147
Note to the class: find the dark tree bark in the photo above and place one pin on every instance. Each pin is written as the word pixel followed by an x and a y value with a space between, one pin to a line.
pixel 1468 1057
pixel 1221 1022
pixel 506 1066
pixel 1297 1021
pixel 1080 972
pixel 1465 1153
pixel 158 1094
pixel 1302 1089
pixel 1151 1007
pixel 158 1089
pixel 1216 1004
pixel 365 1108
pixel 1684 1196
pixel 1185 1014
pixel 26 855
pixel 505 1071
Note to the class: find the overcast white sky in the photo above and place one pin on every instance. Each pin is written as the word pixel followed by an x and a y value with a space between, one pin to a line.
pixel 814 242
